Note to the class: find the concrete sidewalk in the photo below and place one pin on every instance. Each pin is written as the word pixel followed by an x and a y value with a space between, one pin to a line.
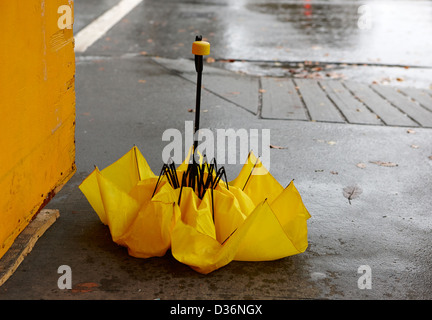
pixel 132 99
pixel 314 100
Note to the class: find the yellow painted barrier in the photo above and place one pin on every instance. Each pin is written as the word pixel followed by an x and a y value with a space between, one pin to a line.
pixel 37 107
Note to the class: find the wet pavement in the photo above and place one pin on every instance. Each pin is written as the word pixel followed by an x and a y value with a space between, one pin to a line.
pixel 128 96
pixel 314 100
pixel 382 41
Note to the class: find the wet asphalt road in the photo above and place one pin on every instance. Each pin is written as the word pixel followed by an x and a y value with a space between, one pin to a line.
pixel 388 42
pixel 280 38
pixel 387 227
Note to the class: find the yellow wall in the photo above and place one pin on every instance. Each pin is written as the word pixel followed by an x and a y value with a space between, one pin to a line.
pixel 37 110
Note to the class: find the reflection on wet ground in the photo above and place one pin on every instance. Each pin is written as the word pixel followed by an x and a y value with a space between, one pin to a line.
pixel 351 39
pixel 396 32
pixel 400 76
pixel 275 37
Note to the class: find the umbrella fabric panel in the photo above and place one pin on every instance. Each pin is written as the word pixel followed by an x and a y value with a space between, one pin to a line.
pixel 292 215
pixel 256 181
pixel 253 218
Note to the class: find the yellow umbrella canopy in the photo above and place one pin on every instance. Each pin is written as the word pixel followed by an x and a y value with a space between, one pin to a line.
pixel 204 220
pixel 121 195
pixel 252 218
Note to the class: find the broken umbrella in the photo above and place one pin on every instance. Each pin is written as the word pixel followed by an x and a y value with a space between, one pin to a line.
pixel 192 209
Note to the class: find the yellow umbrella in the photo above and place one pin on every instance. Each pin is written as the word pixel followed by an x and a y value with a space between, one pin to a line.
pixel 241 220
pixel 121 195
pixel 255 219
pixel 204 220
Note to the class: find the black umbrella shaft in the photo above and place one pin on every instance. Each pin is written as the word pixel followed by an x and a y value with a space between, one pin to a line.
pixel 199 68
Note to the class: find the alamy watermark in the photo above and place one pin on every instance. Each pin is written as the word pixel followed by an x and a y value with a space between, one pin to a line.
pixel 365 280
pixel 232 146
pixel 364 21
pixel 65 20
pixel 65 280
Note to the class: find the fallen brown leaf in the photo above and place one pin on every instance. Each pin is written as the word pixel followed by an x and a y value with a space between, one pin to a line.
pixel 85 287
pixel 227 60
pixel 276 147
pixel 384 164
pixel 352 192
pixel 314 75
pixel 142 81
pixel 261 90
pixel 361 165
pixel 330 142
pixel 385 80
pixel 335 75
pixel 414 146
pixel 210 60
pixel 410 131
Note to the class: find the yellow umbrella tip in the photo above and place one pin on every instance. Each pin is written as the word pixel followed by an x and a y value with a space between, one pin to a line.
pixel 200 48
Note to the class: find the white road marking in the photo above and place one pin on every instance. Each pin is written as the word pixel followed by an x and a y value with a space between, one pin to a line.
pixel 92 32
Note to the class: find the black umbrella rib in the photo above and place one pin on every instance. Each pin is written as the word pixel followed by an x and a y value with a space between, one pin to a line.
pixel 220 173
pixel 173 173
pixel 213 212
pixel 159 179
pixel 137 166
pixel 228 237
pixel 181 188
pixel 250 174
